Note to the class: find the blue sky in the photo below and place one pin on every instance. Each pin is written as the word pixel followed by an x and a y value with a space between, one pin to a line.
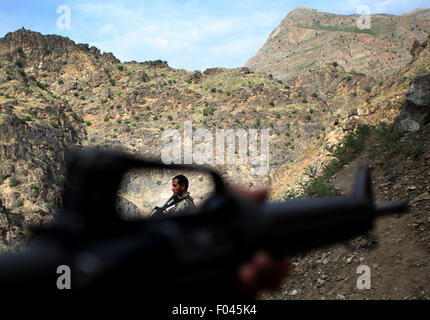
pixel 189 34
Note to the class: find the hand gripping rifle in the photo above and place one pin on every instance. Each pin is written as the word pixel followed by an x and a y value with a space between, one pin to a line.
pixel 192 255
pixel 159 211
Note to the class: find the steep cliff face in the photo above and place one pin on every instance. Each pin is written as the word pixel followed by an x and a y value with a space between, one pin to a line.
pixel 307 38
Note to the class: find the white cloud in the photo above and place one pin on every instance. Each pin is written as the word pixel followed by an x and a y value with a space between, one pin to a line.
pixel 193 34
pixel 108 11
pixel 222 41
pixel 107 28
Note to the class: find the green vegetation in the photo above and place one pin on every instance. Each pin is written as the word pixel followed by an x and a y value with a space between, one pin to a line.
pixel 41 85
pixel 316 186
pixel 368 89
pixel 14 182
pixel 337 28
pixel 272 103
pixel 19 203
pixel 26 118
pixel 390 142
pixel 18 63
pixel 345 152
pixel 49 205
pixel 60 81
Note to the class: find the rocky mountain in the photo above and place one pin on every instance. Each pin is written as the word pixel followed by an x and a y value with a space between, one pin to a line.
pixel 57 95
pixel 307 38
pixel 104 103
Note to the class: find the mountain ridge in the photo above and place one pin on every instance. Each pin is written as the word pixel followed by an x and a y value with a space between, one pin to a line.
pixel 300 42
pixel 72 97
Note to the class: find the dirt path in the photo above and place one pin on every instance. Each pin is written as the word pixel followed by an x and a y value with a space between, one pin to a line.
pixel 396 252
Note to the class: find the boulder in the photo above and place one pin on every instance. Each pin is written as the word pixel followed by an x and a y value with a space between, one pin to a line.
pixel 195 77
pixel 126 208
pixel 417 47
pixel 417 105
pixel 4 222
pixel 245 70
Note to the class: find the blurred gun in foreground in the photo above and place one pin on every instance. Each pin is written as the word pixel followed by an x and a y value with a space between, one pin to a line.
pixel 193 255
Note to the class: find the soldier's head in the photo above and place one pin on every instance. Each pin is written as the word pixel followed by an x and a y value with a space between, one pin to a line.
pixel 179 185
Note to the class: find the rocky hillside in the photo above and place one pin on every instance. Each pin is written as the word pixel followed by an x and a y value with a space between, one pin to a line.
pixel 50 85
pixel 397 251
pixel 307 38
pixel 56 94
pixel 383 104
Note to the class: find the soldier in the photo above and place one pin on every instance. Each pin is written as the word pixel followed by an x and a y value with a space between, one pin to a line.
pixel 180 189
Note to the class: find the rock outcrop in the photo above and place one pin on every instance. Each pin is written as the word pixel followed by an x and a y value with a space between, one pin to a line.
pixel 416 111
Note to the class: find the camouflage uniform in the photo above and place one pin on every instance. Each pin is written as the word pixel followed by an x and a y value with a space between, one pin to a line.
pixel 186 202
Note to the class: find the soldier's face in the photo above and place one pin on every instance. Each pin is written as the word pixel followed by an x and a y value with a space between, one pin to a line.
pixel 176 188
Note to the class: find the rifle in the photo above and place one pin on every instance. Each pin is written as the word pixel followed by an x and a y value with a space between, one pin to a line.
pixel 192 255
pixel 159 211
